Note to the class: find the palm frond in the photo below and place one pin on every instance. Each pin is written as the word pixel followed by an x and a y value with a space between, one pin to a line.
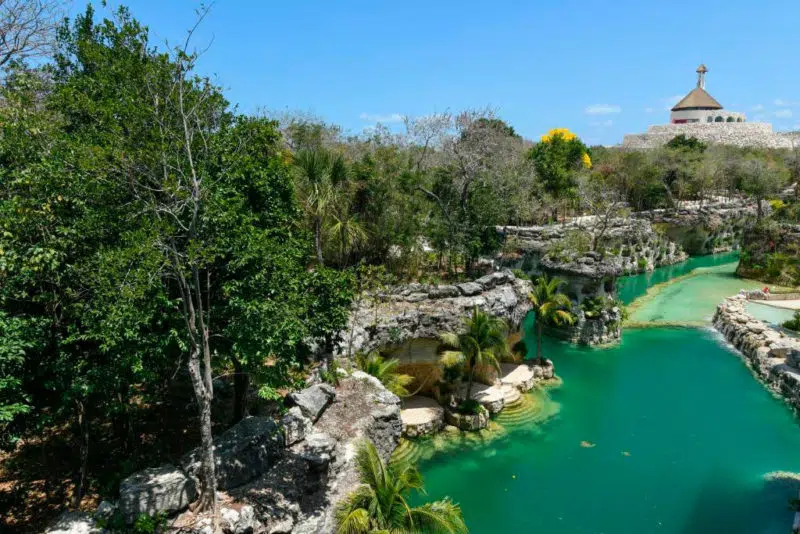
pixel 449 340
pixel 440 517
pixel 352 521
pixel 452 358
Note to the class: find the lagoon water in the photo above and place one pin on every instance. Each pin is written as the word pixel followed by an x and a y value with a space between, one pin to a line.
pixel 666 433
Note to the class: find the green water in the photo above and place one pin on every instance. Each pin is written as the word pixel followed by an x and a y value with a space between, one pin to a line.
pixel 680 437
pixel 692 298
pixel 633 287
pixel 769 314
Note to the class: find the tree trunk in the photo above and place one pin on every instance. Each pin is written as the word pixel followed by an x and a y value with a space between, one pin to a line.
pixel 80 479
pixel 469 384
pixel 241 385
pixel 208 478
pixel 539 331
pixel 318 239
pixel 345 255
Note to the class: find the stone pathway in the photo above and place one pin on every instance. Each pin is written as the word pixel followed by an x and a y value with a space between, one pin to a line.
pixel 421 416
pixel 519 376
pixel 786 304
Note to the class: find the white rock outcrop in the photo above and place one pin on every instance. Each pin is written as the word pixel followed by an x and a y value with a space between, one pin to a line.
pixel 773 356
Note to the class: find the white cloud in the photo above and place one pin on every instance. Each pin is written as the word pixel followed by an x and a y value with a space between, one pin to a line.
pixel 602 109
pixel 783 114
pixel 758 107
pixel 602 124
pixel 375 117
pixel 781 103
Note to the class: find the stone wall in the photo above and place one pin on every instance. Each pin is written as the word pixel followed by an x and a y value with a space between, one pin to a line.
pixel 742 134
pixel 773 356
pixel 416 311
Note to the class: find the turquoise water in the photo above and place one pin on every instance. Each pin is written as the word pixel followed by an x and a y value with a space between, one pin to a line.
pixel 769 314
pixel 633 287
pixel 666 433
pixel 691 298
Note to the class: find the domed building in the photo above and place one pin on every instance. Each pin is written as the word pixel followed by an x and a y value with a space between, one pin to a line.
pixel 699 106
pixel 701 116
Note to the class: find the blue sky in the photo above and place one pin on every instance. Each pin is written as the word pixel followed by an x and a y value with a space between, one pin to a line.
pixel 602 68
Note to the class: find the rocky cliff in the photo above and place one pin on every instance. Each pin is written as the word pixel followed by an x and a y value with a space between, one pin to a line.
pixel 282 477
pixel 706 229
pixel 416 311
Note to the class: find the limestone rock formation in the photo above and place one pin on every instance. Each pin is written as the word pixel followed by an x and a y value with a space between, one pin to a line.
pixel 279 479
pixel 155 490
pixel 415 311
pixel 299 493
pixel 74 523
pixel 242 452
pixel 295 426
pixel 772 355
pixel 313 400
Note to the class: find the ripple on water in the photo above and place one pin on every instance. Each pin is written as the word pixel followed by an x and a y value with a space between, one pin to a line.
pixel 531 410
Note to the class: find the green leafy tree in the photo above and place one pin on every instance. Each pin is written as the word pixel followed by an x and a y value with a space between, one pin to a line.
pixel 380 504
pixel 482 342
pixel 550 306
pixel 760 179
pixel 557 157
pixel 681 142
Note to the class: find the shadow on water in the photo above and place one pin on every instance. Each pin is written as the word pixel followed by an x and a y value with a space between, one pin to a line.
pixel 720 505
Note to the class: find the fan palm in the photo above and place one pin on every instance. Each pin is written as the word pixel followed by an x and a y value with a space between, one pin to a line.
pixel 482 342
pixel 379 505
pixel 319 172
pixel 550 307
pixel 349 232
pixel 385 371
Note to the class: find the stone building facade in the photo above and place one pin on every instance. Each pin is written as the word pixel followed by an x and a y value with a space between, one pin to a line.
pixel 742 134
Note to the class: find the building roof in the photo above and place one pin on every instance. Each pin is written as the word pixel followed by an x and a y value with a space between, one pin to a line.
pixel 697 98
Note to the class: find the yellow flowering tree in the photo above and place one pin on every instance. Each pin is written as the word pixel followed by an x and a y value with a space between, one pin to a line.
pixel 557 158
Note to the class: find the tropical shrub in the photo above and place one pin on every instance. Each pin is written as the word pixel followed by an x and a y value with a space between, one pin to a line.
pixel 481 343
pixel 385 371
pixel 380 504
pixel 551 307
pixel 793 323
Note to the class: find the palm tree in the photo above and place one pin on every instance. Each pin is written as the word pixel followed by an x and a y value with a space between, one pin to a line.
pixel 348 231
pixel 482 343
pixel 550 307
pixel 319 171
pixel 379 505
pixel 385 371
